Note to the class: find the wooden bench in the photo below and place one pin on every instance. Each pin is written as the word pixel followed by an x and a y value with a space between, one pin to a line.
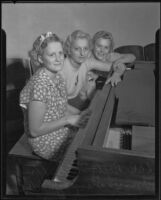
pixel 30 169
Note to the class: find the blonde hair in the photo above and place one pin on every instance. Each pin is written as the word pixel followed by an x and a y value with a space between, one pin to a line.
pixel 104 35
pixel 77 34
pixel 40 44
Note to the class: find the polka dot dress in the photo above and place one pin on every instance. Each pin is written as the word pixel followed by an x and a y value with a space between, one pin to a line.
pixel 53 93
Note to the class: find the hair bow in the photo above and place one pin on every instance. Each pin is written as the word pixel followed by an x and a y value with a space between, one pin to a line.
pixel 43 37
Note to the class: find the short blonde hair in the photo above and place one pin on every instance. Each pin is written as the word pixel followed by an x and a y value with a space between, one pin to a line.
pixel 104 35
pixel 77 34
pixel 40 44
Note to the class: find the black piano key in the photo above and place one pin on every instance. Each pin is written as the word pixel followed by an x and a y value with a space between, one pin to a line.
pixel 121 139
pixel 129 139
pixel 75 165
pixel 70 177
pixel 75 161
pixel 124 140
pixel 73 171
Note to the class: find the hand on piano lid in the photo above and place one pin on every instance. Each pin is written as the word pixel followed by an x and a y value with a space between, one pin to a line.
pixel 118 71
pixel 114 79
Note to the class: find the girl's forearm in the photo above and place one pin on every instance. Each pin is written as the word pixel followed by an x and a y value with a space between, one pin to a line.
pixel 72 110
pixel 119 69
pixel 128 58
pixel 98 65
pixel 47 127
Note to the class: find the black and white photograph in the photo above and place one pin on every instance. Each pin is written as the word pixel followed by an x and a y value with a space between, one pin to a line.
pixel 80 100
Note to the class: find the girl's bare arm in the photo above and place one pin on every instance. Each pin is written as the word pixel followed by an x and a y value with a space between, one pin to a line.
pixel 38 127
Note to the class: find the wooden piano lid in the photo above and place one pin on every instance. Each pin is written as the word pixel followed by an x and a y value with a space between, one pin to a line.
pixel 136 94
pixel 143 139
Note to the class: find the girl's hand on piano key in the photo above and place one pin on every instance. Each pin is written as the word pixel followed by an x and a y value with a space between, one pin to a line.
pixel 85 115
pixel 73 120
pixel 79 120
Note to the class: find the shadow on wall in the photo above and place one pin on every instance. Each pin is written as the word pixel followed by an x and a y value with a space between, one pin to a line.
pixel 17 73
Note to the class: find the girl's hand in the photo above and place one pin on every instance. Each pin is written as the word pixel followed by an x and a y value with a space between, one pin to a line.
pixel 73 119
pixel 119 67
pixel 79 120
pixel 114 79
pixel 85 115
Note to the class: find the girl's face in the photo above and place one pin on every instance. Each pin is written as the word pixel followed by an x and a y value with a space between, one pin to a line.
pixel 102 48
pixel 53 57
pixel 80 50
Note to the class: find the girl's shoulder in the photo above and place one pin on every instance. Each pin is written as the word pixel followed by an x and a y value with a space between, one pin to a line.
pixel 39 77
pixel 90 61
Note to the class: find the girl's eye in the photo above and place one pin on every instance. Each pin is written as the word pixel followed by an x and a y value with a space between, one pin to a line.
pixel 98 46
pixel 61 53
pixel 52 55
pixel 86 49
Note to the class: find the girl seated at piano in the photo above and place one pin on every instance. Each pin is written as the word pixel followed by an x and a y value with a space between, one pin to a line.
pixel 44 100
pixel 77 65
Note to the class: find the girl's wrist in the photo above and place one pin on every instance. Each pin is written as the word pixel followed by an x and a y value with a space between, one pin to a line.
pixel 66 121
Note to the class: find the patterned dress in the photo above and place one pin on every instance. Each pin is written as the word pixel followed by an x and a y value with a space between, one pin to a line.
pixel 53 93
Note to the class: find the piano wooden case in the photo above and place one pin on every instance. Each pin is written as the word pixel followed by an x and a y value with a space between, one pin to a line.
pixel 119 171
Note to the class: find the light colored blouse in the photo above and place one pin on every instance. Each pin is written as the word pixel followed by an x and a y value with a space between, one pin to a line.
pixel 77 78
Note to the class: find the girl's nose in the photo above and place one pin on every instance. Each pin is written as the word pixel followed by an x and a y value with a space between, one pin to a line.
pixel 102 49
pixel 82 52
pixel 58 57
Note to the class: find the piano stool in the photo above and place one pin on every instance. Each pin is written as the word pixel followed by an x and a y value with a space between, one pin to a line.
pixel 31 170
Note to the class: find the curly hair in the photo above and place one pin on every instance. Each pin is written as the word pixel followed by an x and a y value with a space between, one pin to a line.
pixel 104 35
pixel 40 44
pixel 77 34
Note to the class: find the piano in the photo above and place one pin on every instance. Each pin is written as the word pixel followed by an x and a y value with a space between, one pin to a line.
pixel 115 153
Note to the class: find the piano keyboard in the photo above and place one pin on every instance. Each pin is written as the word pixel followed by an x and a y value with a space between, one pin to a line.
pixel 68 169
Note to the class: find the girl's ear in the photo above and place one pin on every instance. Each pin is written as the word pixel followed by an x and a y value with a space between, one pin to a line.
pixel 40 59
